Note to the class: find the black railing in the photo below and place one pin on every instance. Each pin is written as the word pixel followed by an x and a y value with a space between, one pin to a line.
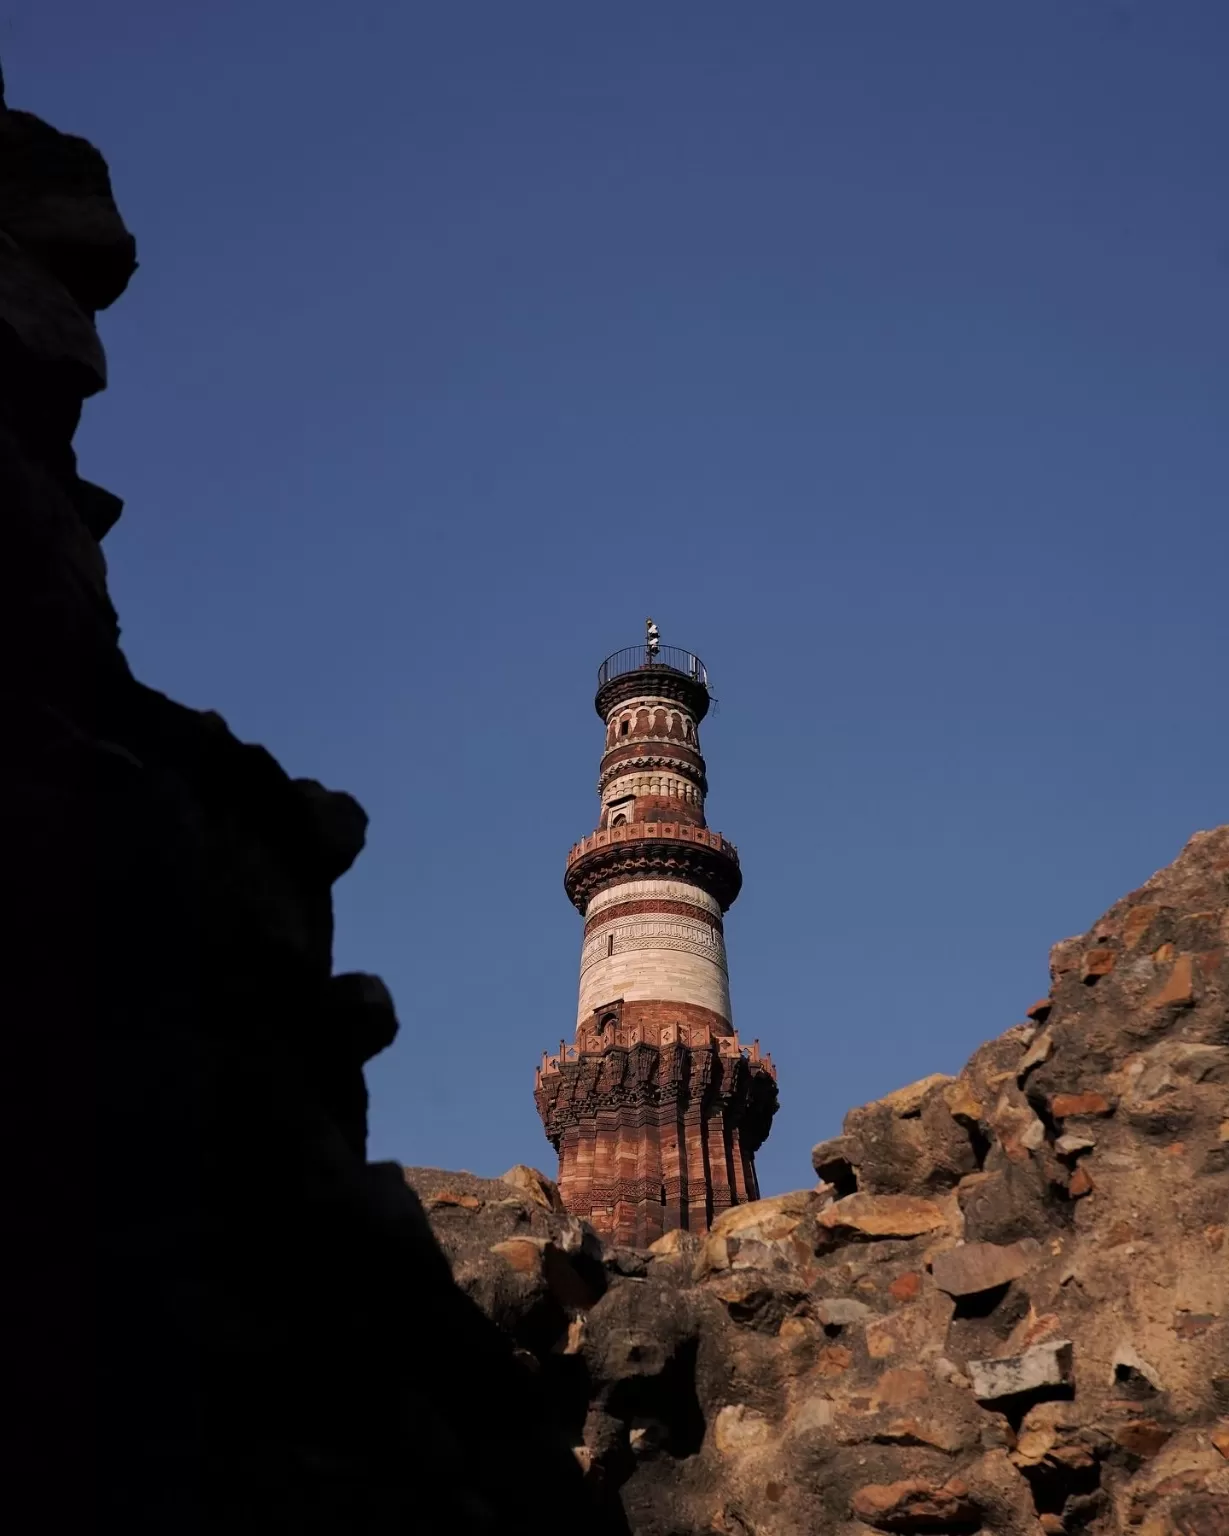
pixel 634 658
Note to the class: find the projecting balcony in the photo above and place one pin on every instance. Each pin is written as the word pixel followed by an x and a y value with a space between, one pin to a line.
pixel 664 1035
pixel 653 850
pixel 637 831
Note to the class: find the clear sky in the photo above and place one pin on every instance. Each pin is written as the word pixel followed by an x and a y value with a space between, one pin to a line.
pixel 880 351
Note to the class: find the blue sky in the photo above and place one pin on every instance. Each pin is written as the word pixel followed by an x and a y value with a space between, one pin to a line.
pixel 880 352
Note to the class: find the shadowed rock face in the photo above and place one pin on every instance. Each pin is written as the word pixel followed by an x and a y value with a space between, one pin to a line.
pixel 221 1316
pixel 1005 1309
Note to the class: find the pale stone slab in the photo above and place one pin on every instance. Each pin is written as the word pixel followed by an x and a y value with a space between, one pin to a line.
pixel 883 1216
pixel 1045 1365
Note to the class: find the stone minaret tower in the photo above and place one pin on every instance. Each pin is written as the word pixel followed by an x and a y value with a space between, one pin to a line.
pixel 656 1110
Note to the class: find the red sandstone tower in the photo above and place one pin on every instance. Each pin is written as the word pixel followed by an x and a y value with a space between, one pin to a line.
pixel 656 1110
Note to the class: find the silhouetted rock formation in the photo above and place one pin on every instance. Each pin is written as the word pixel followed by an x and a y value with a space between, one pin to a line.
pixel 225 1319
pixel 1005 1308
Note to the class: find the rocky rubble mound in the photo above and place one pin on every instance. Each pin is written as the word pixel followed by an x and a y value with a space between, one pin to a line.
pixel 1005 1308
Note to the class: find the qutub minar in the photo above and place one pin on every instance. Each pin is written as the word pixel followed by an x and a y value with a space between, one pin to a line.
pixel 657 1109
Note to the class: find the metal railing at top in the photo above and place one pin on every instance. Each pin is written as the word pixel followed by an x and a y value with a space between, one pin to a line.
pixel 635 658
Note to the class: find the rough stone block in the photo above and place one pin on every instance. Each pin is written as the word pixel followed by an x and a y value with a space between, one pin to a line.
pixel 975 1267
pixel 874 1216
pixel 1043 1368
pixel 1178 990
pixel 916 1504
pixel 540 1190
pixel 835 1162
pixel 842 1312
pixel 1064 1106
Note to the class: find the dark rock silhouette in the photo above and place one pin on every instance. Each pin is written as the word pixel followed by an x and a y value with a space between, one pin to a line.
pixel 222 1317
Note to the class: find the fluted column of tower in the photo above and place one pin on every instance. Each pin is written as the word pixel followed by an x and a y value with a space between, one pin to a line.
pixel 656 1109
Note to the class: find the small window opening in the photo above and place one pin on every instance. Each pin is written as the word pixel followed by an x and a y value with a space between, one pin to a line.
pixel 610 951
pixel 689 731
pixel 619 821
pixel 624 727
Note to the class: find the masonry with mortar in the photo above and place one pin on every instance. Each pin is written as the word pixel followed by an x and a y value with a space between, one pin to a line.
pixel 656 1109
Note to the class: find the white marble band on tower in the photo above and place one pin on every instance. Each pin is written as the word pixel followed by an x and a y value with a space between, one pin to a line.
pixel 659 956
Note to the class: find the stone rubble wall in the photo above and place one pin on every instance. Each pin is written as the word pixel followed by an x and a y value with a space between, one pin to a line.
pixel 1003 1309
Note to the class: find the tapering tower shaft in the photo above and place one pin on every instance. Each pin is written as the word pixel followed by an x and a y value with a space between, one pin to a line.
pixel 656 1109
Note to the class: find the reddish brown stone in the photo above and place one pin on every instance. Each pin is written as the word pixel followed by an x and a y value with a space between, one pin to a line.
pixel 648 1017
pixel 915 1504
pixel 666 808
pixel 1040 1011
pixel 447 1197
pixel 1080 1183
pixel 522 1254
pixel 1142 1437
pixel 1064 1105
pixel 898 1387
pixel 1139 920
pixel 941 1434
pixel 905 1287
pixel 1179 989
pixel 833 1360
pixel 1098 963
pixel 1031 1330
pixel 652 904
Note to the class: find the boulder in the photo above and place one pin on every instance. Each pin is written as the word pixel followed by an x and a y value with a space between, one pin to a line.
pixel 678 1243
pixel 541 1190
pixel 907 1142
